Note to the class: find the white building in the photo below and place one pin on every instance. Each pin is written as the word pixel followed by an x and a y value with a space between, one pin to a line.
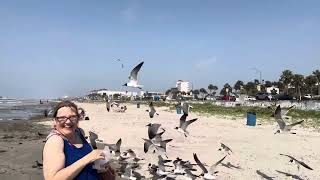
pixel 270 89
pixel 106 92
pixel 183 86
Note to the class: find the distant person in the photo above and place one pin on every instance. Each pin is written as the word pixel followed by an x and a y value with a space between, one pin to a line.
pixel 67 154
pixel 46 113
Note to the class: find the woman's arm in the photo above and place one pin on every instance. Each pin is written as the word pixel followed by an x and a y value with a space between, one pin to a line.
pixel 54 159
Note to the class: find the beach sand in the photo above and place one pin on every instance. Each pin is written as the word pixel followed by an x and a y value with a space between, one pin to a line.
pixel 20 147
pixel 254 148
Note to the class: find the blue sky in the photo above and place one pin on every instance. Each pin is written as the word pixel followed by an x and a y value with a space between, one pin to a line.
pixel 57 48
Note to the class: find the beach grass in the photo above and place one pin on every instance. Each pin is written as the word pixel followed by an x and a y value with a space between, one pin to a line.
pixel 263 114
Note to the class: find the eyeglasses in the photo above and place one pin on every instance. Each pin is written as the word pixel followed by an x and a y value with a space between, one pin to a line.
pixel 63 119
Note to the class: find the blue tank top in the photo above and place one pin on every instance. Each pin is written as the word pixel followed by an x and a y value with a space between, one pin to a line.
pixel 73 154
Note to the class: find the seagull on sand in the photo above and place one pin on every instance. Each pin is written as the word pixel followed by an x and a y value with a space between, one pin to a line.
pixel 37 165
pixel 152 111
pixel 225 148
pixel 184 124
pixel 133 78
pixel 211 174
pixel 282 124
pixel 297 162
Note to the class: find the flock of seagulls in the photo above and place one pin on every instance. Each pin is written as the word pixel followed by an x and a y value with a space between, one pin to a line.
pixel 127 163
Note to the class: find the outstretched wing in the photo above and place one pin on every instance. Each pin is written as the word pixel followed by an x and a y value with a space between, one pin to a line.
pixel 204 169
pixel 152 130
pixel 118 144
pixel 134 72
pixel 293 124
pixel 146 145
pixel 213 167
pixel 187 123
pixel 300 162
pixel 283 113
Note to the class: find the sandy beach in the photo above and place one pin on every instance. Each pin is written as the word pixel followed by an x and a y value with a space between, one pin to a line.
pixel 20 147
pixel 254 148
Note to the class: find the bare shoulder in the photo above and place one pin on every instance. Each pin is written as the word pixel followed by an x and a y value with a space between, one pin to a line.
pixel 54 143
pixel 53 156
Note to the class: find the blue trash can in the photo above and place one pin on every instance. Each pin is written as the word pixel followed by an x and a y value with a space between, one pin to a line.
pixel 178 110
pixel 251 118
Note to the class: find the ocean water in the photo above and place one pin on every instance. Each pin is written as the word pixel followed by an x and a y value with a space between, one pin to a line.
pixel 23 109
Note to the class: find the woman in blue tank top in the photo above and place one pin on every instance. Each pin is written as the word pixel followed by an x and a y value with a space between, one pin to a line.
pixel 67 154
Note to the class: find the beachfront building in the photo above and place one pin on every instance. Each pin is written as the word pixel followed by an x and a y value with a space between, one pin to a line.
pixel 112 94
pixel 273 89
pixel 183 86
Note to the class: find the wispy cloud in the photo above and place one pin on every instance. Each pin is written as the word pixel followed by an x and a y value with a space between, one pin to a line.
pixel 130 14
pixel 206 63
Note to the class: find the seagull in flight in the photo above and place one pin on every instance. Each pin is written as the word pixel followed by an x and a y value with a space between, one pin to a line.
pixel 119 60
pixel 283 126
pixel 133 78
pixel 283 113
pixel 297 162
pixel 152 111
pixel 264 176
pixel 186 107
pixel 211 174
pixel 184 124
pixel 225 148
pixel 153 134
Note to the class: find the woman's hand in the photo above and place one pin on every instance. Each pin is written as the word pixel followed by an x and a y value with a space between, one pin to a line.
pixel 95 155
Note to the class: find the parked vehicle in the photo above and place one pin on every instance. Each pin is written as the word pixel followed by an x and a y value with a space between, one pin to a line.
pixel 307 97
pixel 228 98
pixel 283 97
pixel 264 96
pixel 249 98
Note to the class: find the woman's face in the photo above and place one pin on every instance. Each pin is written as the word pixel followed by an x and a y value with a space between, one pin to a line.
pixel 66 120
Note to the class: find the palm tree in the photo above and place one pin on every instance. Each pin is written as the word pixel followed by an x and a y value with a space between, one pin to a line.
pixel 310 81
pixel 286 79
pixel 297 81
pixel 238 85
pixel 316 73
